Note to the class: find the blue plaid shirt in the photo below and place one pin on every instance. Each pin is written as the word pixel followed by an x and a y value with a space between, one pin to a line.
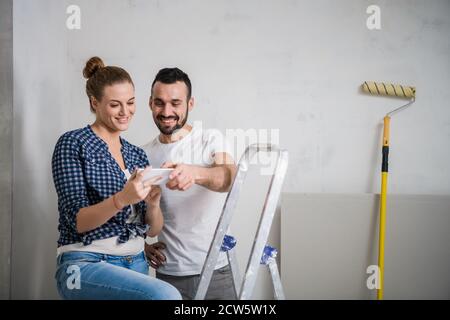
pixel 85 173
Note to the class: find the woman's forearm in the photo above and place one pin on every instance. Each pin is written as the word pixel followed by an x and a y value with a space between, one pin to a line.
pixel 94 216
pixel 154 219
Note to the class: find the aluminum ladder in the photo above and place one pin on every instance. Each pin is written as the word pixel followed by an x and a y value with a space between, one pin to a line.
pixel 260 253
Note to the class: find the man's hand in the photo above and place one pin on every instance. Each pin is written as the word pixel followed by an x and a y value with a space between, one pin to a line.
pixel 182 177
pixel 154 254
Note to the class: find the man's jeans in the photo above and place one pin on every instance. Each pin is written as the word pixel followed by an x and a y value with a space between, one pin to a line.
pixel 221 286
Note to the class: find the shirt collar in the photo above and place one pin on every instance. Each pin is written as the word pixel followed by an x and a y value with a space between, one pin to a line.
pixel 102 146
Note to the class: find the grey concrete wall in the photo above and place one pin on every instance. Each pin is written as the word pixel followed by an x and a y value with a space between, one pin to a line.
pixel 293 66
pixel 40 100
pixel 329 240
pixel 6 145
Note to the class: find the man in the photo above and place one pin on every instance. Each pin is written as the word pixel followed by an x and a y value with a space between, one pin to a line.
pixel 193 198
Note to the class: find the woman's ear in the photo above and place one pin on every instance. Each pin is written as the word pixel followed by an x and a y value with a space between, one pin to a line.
pixel 94 104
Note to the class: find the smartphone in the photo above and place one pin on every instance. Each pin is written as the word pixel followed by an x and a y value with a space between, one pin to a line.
pixel 158 172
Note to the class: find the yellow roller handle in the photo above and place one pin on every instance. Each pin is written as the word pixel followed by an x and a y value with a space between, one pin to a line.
pixel 389 89
pixel 383 197
pixel 382 235
pixel 386 128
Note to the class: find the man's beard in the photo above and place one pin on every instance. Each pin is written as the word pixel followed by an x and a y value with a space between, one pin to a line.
pixel 175 128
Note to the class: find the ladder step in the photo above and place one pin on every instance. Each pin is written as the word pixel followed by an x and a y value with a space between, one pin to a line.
pixel 228 243
pixel 268 253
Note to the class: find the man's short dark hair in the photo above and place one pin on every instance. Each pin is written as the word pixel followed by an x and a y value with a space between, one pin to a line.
pixel 172 75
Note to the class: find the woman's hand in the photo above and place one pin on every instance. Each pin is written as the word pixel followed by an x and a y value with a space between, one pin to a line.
pixel 135 190
pixel 154 196
pixel 153 216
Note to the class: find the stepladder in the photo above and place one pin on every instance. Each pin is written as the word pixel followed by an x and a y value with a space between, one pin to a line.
pixel 261 253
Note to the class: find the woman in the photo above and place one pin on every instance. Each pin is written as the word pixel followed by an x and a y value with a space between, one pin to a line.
pixel 105 210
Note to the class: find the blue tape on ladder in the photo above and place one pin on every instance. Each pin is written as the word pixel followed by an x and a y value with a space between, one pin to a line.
pixel 228 243
pixel 268 252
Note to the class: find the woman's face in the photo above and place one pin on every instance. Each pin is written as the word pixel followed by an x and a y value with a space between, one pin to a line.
pixel 116 107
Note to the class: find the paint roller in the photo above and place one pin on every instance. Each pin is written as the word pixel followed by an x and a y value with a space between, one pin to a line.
pixel 389 89
pixel 393 90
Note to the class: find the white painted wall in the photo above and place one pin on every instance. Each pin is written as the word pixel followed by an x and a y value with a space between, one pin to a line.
pixel 290 65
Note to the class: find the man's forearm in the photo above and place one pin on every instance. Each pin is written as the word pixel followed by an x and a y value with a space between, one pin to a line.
pixel 218 178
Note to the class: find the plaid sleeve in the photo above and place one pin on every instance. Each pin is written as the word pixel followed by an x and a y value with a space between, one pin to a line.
pixel 68 179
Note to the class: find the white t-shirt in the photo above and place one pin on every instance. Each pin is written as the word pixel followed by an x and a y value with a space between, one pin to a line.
pixel 191 216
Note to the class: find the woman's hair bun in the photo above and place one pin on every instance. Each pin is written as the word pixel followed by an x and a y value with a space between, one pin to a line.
pixel 92 66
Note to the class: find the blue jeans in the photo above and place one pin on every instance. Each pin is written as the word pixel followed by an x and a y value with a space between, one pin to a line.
pixel 88 275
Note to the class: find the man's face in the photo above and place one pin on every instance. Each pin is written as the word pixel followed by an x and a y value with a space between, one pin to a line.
pixel 170 106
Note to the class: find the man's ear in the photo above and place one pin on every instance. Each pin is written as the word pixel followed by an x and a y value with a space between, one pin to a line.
pixel 150 101
pixel 191 104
